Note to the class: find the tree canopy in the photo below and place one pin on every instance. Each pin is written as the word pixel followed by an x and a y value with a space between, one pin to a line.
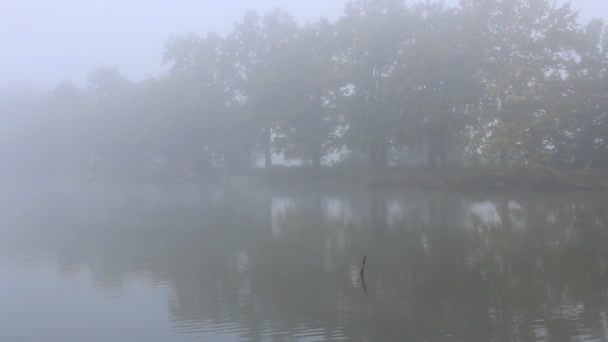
pixel 491 82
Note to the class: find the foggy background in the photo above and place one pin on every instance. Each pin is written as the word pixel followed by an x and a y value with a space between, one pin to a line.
pixel 44 42
pixel 237 191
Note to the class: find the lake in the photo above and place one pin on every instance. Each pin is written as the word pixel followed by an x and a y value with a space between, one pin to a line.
pixel 125 262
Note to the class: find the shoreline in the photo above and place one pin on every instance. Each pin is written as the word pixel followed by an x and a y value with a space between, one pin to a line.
pixel 390 178
pixel 459 179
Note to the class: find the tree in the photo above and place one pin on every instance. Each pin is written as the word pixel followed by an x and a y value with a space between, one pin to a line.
pixel 523 45
pixel 253 45
pixel 581 136
pixel 370 36
pixel 68 130
pixel 305 78
pixel 113 118
pixel 436 81
pixel 202 97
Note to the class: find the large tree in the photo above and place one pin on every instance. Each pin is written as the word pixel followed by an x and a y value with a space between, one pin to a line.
pixel 580 134
pixel 370 37
pixel 253 45
pixel 305 78
pixel 436 81
pixel 199 85
pixel 524 48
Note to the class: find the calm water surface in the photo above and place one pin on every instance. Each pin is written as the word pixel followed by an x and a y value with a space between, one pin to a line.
pixel 111 262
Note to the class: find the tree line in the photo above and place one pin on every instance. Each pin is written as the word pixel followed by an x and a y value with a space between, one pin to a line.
pixel 493 82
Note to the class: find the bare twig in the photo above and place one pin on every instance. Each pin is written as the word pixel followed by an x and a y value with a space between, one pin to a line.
pixel 363 266
pixel 363 274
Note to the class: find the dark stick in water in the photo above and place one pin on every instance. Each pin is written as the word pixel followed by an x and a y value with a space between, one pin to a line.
pixel 363 266
pixel 363 274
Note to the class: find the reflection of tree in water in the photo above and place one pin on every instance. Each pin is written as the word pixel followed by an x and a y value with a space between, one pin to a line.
pixel 438 265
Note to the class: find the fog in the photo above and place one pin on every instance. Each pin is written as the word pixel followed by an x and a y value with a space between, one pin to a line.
pixel 48 41
pixel 45 42
pixel 379 83
pixel 303 170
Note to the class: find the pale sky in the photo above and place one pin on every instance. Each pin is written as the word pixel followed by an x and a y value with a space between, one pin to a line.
pixel 45 41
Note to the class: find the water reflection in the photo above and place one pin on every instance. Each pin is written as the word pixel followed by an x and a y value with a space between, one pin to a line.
pixel 273 266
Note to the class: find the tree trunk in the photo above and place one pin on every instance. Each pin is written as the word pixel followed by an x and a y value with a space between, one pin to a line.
pixel 382 153
pixel 442 144
pixel 268 147
pixel 378 153
pixel 432 147
pixel 503 157
pixel 503 214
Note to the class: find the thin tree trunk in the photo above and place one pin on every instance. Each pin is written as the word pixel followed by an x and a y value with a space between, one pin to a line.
pixel 432 147
pixel 443 156
pixel 503 157
pixel 442 145
pixel 268 147
pixel 382 153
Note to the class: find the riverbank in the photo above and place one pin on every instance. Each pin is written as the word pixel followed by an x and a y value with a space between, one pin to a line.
pixel 437 179
pixel 452 179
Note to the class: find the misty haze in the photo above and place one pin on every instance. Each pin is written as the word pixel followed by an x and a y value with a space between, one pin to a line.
pixel 364 170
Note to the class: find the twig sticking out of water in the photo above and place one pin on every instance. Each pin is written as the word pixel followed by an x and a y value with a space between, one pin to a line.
pixel 363 266
pixel 363 274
